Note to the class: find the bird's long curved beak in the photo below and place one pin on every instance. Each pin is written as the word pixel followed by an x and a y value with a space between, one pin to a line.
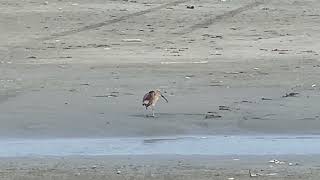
pixel 164 98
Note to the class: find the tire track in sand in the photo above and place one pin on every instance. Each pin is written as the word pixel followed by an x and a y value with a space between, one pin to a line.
pixel 89 27
pixel 220 17
pixel 112 21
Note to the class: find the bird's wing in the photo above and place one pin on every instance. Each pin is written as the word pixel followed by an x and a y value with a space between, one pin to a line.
pixel 147 98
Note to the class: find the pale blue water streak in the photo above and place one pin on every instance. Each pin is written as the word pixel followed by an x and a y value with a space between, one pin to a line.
pixel 194 145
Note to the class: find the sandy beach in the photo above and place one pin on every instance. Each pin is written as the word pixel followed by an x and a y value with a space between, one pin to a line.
pixel 68 69
pixel 161 168
pixel 79 69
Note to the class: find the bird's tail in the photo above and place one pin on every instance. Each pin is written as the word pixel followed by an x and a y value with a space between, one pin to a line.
pixel 145 104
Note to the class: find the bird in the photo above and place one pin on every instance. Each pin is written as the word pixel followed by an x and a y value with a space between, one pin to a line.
pixel 151 98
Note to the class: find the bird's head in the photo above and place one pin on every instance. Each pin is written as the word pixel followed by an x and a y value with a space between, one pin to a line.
pixel 158 92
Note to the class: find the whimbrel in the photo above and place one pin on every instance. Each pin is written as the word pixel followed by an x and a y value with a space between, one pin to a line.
pixel 151 98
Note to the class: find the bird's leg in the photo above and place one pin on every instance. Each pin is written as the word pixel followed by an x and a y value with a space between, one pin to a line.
pixel 147 112
pixel 152 111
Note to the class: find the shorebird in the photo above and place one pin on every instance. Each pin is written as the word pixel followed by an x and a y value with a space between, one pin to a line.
pixel 151 98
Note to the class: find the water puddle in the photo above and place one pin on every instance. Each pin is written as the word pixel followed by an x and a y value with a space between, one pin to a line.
pixel 192 145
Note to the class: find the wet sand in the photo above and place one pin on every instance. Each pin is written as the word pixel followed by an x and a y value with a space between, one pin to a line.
pixel 187 146
pixel 80 69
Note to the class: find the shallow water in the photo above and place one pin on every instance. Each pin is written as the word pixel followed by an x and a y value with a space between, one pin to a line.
pixel 192 145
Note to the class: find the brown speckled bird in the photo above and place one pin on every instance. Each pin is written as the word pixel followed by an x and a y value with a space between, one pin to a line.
pixel 151 98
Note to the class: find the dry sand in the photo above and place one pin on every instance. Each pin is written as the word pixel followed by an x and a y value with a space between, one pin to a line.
pixel 70 69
